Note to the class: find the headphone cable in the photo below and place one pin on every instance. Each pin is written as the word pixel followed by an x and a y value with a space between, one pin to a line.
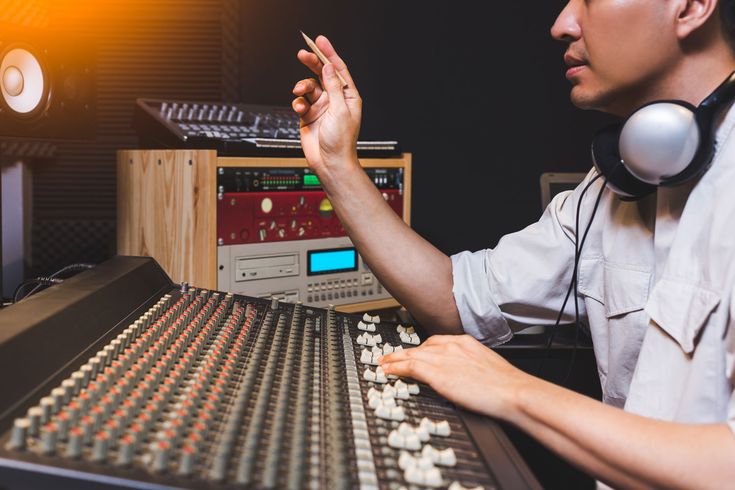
pixel 575 276
pixel 573 281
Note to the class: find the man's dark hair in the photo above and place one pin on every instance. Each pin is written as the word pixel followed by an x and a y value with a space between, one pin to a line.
pixel 727 15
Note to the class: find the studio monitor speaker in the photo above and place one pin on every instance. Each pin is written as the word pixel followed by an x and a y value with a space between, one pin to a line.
pixel 47 84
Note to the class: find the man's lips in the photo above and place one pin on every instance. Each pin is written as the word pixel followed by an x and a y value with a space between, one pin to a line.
pixel 574 64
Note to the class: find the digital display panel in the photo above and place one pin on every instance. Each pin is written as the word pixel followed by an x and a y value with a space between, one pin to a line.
pixel 311 179
pixel 329 261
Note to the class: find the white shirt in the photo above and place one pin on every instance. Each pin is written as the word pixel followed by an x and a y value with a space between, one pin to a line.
pixel 656 285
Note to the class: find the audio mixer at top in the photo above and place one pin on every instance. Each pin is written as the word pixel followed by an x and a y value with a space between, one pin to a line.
pixel 203 389
pixel 231 128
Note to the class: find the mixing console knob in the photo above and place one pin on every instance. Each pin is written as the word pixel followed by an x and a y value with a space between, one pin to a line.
pixel 436 428
pixel 262 234
pixel 424 477
pixel 408 441
pixel 272 225
pixel 49 437
pixel 76 441
pixel 126 450
pixel 387 348
pixel 35 414
pixel 301 231
pixel 19 434
pixel 293 224
pixel 266 205
pixel 281 233
pixel 411 339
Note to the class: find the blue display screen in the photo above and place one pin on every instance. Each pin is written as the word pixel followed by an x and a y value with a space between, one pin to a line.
pixel 335 260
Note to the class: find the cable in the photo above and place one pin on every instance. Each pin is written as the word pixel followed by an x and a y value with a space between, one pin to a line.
pixel 43 280
pixel 573 281
pixel 575 276
pixel 48 281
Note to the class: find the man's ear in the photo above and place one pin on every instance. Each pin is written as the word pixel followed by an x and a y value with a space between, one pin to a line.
pixel 692 15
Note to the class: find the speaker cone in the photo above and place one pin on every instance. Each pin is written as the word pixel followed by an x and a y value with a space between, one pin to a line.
pixel 23 83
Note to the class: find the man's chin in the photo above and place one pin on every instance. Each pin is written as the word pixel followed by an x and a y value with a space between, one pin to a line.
pixel 582 98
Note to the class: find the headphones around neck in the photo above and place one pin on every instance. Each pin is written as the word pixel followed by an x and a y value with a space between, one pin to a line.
pixel 663 143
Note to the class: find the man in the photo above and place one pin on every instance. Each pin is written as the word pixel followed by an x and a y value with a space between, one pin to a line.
pixel 656 277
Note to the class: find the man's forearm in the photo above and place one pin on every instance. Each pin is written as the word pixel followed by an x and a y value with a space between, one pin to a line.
pixel 413 270
pixel 623 449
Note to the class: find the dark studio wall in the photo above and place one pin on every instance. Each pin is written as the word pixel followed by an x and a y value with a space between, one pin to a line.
pixel 475 90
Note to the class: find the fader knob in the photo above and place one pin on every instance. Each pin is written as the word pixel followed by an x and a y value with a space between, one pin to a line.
pixel 19 434
pixel 262 234
pixel 281 233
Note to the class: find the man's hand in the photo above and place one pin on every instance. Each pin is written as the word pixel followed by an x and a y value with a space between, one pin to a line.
pixel 463 370
pixel 330 114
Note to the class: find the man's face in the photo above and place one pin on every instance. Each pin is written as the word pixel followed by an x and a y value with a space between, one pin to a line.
pixel 619 51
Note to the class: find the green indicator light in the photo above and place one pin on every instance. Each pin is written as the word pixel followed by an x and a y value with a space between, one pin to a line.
pixel 311 179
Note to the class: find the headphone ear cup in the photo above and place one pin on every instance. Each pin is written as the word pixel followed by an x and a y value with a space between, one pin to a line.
pixel 606 158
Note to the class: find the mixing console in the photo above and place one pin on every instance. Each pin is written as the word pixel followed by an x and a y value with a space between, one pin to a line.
pixel 212 390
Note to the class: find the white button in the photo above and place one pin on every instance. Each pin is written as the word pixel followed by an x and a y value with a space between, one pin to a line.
pixel 388 402
pixel 414 475
pixel 404 429
pixel 366 357
pixel 447 457
pixel 373 402
pixel 396 440
pixel 433 477
pixel 397 414
pixel 422 433
pixel 405 460
pixel 266 205
pixel 383 412
pixel 424 463
pixel 412 442
pixel 442 428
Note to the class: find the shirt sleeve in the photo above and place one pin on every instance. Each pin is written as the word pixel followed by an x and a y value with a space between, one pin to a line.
pixel 524 279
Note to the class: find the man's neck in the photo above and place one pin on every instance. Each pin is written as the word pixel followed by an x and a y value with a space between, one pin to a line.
pixel 691 80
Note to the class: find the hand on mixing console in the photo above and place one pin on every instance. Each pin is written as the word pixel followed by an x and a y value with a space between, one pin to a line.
pixel 330 114
pixel 463 370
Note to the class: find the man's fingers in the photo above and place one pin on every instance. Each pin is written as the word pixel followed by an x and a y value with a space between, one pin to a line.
pixel 301 106
pixel 328 50
pixel 443 339
pixel 333 87
pixel 309 89
pixel 411 368
pixel 427 354
pixel 311 61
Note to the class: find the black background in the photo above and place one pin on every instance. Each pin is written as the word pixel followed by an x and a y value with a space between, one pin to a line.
pixel 475 90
